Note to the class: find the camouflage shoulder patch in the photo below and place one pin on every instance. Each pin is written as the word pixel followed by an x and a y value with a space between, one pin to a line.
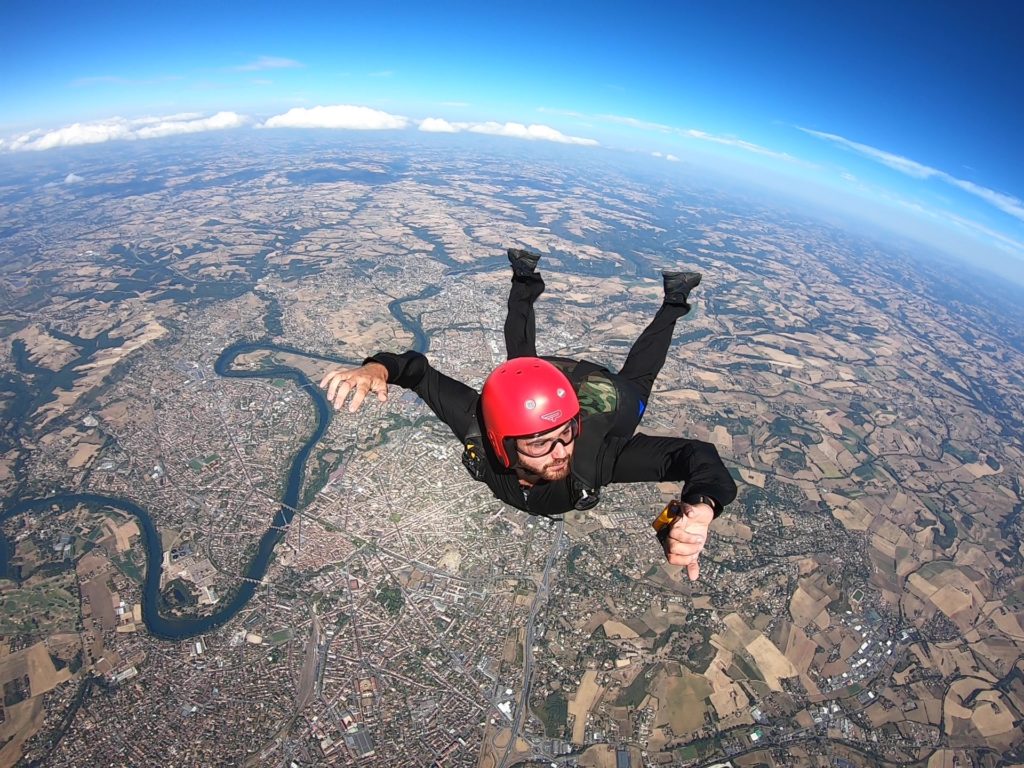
pixel 597 394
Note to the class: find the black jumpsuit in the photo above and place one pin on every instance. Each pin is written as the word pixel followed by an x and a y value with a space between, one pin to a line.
pixel 621 456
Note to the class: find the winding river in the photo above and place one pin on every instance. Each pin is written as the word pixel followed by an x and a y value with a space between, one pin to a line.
pixel 175 627
pixel 180 627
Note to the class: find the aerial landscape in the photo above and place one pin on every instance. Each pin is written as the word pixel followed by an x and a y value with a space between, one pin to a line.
pixel 203 563
pixel 864 591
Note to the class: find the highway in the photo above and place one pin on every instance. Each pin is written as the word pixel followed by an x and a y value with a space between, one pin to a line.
pixel 541 596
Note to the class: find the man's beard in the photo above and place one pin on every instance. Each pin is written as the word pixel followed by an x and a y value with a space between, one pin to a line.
pixel 558 472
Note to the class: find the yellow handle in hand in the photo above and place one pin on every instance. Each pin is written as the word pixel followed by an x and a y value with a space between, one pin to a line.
pixel 668 515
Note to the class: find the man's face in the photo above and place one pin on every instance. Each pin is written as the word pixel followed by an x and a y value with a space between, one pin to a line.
pixel 555 452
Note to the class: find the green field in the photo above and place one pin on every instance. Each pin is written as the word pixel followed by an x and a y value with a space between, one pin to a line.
pixel 699 656
pixel 749 670
pixel 864 472
pixel 127 566
pixel 279 637
pixel 703 748
pixel 634 694
pixel 390 597
pixel 966 455
pixel 687 753
pixel 38 609
pixel 553 713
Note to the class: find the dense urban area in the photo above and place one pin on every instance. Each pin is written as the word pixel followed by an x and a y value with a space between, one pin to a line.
pixel 859 604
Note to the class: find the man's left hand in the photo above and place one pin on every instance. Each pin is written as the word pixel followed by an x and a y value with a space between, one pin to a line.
pixel 687 537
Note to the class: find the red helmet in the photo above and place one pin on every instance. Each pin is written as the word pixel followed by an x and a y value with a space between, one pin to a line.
pixel 522 397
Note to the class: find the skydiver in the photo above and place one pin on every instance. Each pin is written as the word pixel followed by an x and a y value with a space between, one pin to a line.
pixel 557 429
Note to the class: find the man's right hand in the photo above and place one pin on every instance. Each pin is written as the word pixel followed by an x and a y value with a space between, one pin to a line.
pixel 372 377
pixel 687 537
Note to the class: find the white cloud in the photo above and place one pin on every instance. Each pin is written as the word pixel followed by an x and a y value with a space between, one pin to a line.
pixel 513 130
pixel 633 122
pixel 116 128
pixel 72 178
pixel 533 132
pixel 218 122
pixel 1000 240
pixel 268 62
pixel 731 141
pixel 565 113
pixel 74 134
pixel 346 116
pixel 897 163
pixel 672 158
pixel 1006 203
pixel 177 117
pixel 689 133
pixel 437 125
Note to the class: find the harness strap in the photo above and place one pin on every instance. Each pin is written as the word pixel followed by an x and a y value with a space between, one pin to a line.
pixel 473 458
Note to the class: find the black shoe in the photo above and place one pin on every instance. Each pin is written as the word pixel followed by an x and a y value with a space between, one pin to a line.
pixel 523 262
pixel 678 286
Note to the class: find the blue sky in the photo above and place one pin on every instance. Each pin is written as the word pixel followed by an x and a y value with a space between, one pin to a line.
pixel 909 112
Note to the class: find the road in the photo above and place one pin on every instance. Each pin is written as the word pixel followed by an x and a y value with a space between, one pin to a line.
pixel 541 596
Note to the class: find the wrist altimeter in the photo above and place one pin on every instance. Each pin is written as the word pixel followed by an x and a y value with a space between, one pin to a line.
pixel 703 498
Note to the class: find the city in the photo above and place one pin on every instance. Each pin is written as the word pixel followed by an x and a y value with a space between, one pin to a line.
pixel 859 600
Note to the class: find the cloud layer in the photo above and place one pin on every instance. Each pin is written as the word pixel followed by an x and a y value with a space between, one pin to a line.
pixel 119 128
pixel 337 116
pixel 513 130
pixel 688 133
pixel 1005 203
pixel 437 125
pixel 344 116
pixel 731 141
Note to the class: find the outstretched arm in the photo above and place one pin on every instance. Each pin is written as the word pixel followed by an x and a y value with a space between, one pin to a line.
pixel 452 401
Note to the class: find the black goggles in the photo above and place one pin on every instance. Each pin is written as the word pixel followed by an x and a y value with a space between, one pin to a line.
pixel 535 447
